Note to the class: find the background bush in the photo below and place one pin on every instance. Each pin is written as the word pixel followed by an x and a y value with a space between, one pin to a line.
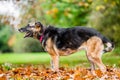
pixel 5 34
pixel 60 13
pixel 28 45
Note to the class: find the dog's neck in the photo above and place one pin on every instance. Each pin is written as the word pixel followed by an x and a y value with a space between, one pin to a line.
pixel 41 36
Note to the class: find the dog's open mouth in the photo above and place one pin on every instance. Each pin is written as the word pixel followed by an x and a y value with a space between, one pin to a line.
pixel 27 34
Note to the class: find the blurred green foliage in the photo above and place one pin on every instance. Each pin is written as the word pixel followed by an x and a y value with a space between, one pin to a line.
pixel 104 15
pixel 66 13
pixel 61 13
pixel 27 45
pixel 5 34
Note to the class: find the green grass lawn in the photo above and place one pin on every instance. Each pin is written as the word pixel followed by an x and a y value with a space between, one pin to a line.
pixel 44 58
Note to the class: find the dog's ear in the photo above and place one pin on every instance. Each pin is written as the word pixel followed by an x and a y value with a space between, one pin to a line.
pixel 38 25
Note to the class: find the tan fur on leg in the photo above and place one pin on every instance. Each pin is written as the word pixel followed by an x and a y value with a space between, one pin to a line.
pixel 55 63
pixel 94 49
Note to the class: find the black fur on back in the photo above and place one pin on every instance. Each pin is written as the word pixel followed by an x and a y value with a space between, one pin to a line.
pixel 71 37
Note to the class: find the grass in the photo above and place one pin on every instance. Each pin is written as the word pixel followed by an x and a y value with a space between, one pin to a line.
pixel 43 58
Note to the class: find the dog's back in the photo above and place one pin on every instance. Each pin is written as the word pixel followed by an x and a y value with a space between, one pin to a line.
pixel 72 37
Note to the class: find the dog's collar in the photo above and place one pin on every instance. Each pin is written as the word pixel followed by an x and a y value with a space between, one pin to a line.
pixel 41 38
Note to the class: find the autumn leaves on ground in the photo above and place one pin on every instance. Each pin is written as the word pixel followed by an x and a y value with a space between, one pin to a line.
pixel 41 73
pixel 73 67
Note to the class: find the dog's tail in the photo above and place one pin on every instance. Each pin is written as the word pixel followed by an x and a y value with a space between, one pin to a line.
pixel 109 46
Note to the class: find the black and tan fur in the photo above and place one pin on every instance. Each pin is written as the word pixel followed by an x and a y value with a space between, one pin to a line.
pixel 65 41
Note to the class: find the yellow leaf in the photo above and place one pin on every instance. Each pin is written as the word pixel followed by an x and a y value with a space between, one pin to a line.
pixel 55 10
pixel 100 7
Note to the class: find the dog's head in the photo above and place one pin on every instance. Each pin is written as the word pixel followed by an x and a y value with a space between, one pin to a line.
pixel 32 30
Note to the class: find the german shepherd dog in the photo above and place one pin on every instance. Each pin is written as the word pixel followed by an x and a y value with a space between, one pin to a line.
pixel 65 41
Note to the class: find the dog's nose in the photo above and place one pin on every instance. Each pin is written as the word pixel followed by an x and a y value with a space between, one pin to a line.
pixel 20 30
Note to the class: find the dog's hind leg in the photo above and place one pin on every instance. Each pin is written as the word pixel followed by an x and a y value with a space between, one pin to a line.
pixel 100 64
pixel 91 63
pixel 95 60
pixel 94 50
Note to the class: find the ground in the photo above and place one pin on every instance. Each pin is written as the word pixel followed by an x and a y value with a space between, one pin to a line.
pixel 36 66
pixel 40 73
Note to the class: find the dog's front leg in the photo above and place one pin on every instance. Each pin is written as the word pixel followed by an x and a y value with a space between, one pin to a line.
pixel 55 62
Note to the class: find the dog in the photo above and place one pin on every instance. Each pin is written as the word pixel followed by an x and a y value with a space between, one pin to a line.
pixel 65 41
